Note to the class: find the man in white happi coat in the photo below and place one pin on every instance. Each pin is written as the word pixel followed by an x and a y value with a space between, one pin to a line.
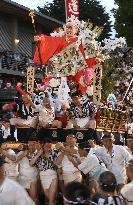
pixel 11 193
pixel 114 157
pixel 11 168
pixel 127 190
pixel 47 115
pixel 129 146
pixel 69 171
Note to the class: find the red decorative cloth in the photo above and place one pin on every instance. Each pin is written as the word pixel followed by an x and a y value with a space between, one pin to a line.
pixel 22 92
pixel 9 106
pixel 48 46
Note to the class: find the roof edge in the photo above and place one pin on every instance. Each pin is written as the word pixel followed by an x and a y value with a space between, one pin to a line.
pixel 36 12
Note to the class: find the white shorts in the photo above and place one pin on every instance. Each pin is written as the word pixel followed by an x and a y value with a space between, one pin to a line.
pixel 72 176
pixel 47 177
pixel 26 122
pixel 26 181
pixel 82 122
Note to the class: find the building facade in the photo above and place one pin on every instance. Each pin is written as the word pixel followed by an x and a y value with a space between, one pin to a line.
pixel 16 43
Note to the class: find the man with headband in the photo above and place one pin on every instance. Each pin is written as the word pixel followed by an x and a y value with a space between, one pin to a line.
pixel 129 140
pixel 24 116
pixel 127 190
pixel 47 115
pixel 82 113
pixel 114 157
pixel 76 193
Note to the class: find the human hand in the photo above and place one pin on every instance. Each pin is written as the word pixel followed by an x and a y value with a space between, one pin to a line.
pixel 40 152
pixel 91 143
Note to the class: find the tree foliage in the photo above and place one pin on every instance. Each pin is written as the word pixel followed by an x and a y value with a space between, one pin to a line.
pixel 124 19
pixel 88 9
pixel 111 74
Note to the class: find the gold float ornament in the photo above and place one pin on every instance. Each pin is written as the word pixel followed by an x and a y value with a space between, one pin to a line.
pixel 89 24
pixel 111 120
pixel 98 30
pixel 32 15
pixel 8 145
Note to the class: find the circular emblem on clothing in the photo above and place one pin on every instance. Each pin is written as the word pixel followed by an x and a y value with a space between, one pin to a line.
pixel 54 134
pixel 79 135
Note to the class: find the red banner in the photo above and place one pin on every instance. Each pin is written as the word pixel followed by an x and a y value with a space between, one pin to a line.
pixel 72 8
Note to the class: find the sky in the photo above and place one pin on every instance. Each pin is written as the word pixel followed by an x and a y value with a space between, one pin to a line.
pixel 33 4
pixel 109 4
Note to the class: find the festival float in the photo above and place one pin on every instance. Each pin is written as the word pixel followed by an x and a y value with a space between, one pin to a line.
pixel 71 59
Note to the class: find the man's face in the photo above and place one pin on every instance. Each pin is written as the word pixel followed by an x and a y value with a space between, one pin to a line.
pixel 7 125
pixel 71 140
pixel 81 152
pixel 46 103
pixel 77 100
pixel 130 144
pixel 107 143
pixel 71 30
pixel 38 145
pixel 47 147
pixel 128 172
pixel 31 145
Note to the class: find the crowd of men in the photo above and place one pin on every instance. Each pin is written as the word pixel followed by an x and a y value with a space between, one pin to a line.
pixel 80 172
pixel 106 171
pixel 79 113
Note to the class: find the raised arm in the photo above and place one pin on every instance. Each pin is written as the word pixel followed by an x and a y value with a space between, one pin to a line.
pixel 9 156
pixel 21 155
pixel 59 159
pixel 75 160
pixel 33 160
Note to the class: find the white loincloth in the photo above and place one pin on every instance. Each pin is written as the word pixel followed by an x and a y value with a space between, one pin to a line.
pixel 13 178
pixel 26 181
pixel 26 122
pixel 72 176
pixel 82 122
pixel 47 177
pixel 46 116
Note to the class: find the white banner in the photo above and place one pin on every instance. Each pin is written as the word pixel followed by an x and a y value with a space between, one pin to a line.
pixel 30 79
pixel 97 84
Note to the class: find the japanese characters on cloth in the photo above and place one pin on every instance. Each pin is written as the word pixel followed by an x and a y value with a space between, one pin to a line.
pixel 97 84
pixel 72 8
pixel 30 79
pixel 63 57
pixel 68 61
